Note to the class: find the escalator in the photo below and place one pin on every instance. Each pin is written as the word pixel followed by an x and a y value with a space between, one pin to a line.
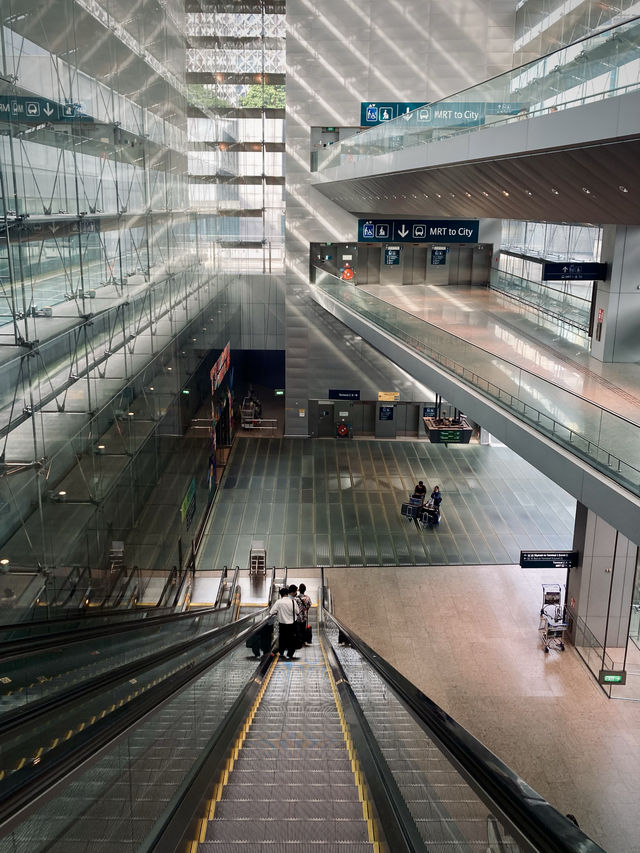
pixel 333 751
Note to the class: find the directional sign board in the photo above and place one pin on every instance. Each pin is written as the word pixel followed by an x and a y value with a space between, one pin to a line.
pixel 574 271
pixel 418 230
pixel 38 110
pixel 392 256
pixel 548 559
pixel 439 256
pixel 440 114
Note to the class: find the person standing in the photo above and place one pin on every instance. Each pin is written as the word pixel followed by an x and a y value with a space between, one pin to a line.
pixel 436 497
pixel 285 611
pixel 304 605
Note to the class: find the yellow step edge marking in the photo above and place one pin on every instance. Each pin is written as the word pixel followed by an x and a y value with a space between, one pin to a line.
pixel 224 776
pixel 355 767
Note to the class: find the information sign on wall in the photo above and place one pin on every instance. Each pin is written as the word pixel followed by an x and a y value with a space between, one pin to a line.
pixel 418 230
pixel 548 559
pixel 570 271
pixel 344 394
pixel 439 256
pixel 387 396
pixel 392 256
pixel 386 413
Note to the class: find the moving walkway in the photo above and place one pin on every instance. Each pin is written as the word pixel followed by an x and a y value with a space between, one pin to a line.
pixel 332 751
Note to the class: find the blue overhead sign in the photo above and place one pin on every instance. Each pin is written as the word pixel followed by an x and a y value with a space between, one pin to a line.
pixel 381 111
pixel 571 271
pixel 38 110
pixel 440 114
pixel 418 230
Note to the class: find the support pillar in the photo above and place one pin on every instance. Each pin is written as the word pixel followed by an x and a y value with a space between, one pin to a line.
pixel 617 308
pixel 600 588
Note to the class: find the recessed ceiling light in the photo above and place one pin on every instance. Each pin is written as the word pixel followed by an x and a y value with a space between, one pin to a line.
pixel 485 194
pixel 529 193
pixel 453 195
pixel 438 195
pixel 623 189
pixel 468 195
pixel 505 193
pixel 555 191
pixel 586 190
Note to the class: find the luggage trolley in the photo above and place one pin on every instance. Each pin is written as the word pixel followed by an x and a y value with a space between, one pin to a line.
pixel 552 613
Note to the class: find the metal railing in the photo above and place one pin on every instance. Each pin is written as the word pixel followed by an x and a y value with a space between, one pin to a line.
pixel 604 439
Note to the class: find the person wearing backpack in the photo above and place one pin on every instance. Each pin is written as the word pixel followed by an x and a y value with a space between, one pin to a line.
pixel 304 605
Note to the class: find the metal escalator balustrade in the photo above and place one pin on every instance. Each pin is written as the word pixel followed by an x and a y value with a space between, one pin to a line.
pixel 60 724
pixel 607 441
pixel 39 666
pixel 460 796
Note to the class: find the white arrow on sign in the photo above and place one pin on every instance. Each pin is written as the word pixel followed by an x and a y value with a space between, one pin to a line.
pixel 402 231
pixel 48 109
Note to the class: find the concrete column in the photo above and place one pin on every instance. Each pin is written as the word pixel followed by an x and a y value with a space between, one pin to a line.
pixel 618 298
pixel 490 233
pixel 600 588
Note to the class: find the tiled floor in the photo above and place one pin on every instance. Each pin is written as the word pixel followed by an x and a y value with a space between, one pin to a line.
pixel 323 502
pixel 467 637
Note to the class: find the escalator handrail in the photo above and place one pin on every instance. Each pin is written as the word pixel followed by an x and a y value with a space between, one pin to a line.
pixel 25 715
pixel 535 821
pixel 41 780
pixel 221 587
pixel 43 642
pixel 233 586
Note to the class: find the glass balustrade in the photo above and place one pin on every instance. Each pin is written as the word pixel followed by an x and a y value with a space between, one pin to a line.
pixel 601 66
pixel 605 440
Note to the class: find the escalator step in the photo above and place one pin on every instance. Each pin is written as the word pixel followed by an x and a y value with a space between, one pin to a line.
pixel 322 828
pixel 303 763
pixel 291 777
pixel 302 809
pixel 282 792
pixel 283 847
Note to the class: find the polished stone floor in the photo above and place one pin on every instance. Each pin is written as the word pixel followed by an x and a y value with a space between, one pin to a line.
pixel 467 636
pixel 324 502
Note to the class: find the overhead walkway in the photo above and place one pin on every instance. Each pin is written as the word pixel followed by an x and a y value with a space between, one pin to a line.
pixel 478 152
pixel 333 751
pixel 525 399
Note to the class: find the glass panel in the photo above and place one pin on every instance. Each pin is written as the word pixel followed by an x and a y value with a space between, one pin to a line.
pixel 601 66
pixel 607 441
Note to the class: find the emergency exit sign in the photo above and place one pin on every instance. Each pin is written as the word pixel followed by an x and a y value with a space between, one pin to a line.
pixel 612 676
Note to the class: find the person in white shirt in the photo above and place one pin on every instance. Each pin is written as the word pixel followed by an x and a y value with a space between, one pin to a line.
pixel 286 610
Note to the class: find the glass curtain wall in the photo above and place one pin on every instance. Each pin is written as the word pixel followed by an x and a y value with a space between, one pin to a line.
pixel 235 73
pixel 526 245
pixel 544 25
pixel 108 302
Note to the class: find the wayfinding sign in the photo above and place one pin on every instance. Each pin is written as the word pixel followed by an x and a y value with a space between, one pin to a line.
pixel 418 230
pixel 439 256
pixel 572 271
pixel 392 255
pixel 440 114
pixel 36 110
pixel 548 559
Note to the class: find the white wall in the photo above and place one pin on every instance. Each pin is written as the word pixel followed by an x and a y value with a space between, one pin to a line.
pixel 342 52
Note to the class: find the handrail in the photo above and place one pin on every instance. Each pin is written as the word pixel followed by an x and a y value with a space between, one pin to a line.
pixel 512 401
pixel 530 815
pixel 506 90
pixel 480 349
pixel 24 787
pixel 221 587
pixel 34 645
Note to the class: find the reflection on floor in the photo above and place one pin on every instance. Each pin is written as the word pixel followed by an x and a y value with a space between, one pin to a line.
pixel 326 502
pixel 467 637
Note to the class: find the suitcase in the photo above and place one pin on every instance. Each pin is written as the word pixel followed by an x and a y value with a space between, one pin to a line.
pixel 409 510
